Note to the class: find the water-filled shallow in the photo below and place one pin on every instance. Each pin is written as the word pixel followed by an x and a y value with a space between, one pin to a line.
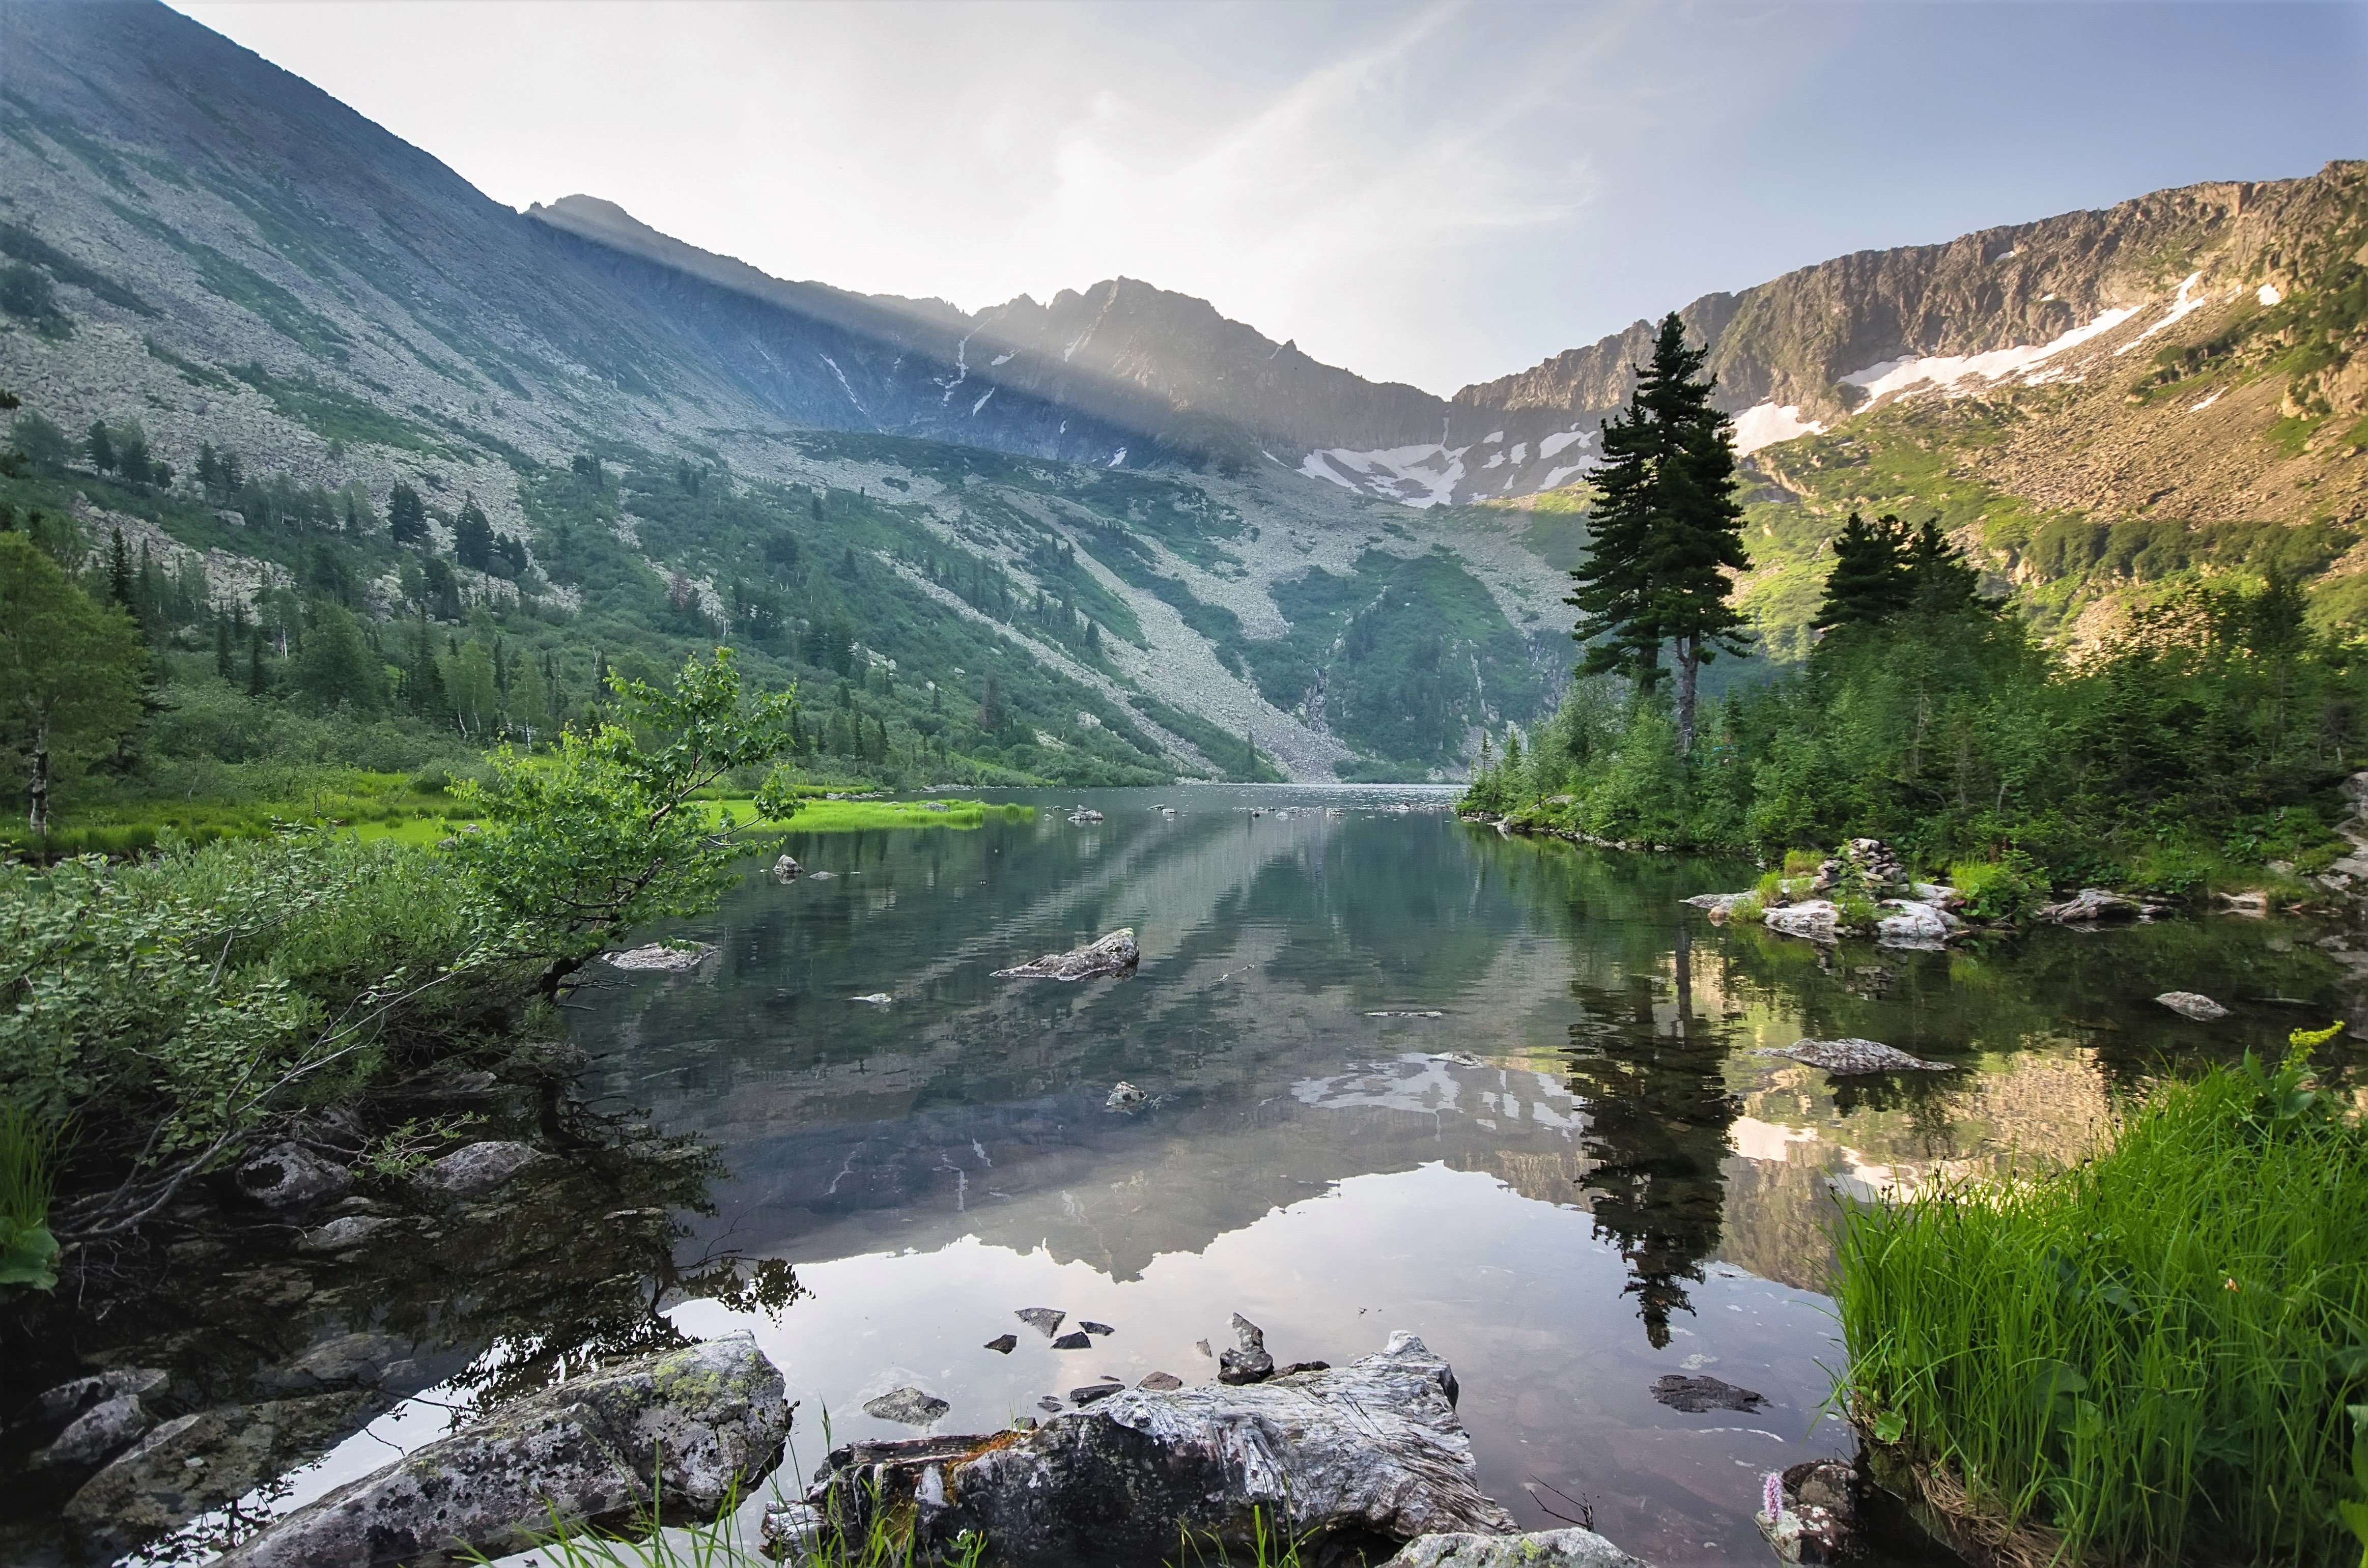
pixel 1403 1073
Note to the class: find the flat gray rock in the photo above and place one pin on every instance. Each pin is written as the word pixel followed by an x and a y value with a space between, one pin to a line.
pixel 1160 1383
pixel 97 1435
pixel 2192 1004
pixel 1846 1056
pixel 1572 1548
pixel 664 959
pixel 1004 1343
pixel 1695 1396
pixel 910 1406
pixel 1075 1339
pixel 477 1169
pixel 1043 1319
pixel 1094 1393
pixel 709 1419
pixel 1114 954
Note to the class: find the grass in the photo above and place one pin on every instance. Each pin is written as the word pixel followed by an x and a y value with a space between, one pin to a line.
pixel 2145 1358
pixel 28 1168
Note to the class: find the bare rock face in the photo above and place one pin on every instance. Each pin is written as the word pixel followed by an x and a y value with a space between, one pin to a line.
pixel 1572 1548
pixel 1844 1056
pixel 704 1417
pixel 1114 954
pixel 1352 1459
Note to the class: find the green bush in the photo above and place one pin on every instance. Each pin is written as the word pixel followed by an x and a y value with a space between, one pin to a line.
pixel 1998 890
pixel 2148 1354
pixel 1748 910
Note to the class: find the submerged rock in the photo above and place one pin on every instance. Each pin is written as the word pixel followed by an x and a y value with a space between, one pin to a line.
pixel 786 869
pixel 706 1421
pixel 1854 1056
pixel 1572 1548
pixel 201 1462
pixel 1695 1396
pixel 1250 1363
pixel 1114 954
pixel 2192 1004
pixel 910 1406
pixel 1126 1096
pixel 1354 1460
pixel 659 956
pixel 477 1169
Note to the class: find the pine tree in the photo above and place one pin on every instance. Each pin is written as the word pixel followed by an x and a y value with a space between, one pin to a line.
pixel 223 666
pixel 258 683
pixel 1869 584
pixel 1941 580
pixel 119 573
pixel 1665 532
pixel 406 515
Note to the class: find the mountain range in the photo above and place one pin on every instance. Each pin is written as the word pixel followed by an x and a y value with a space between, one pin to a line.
pixel 1272 559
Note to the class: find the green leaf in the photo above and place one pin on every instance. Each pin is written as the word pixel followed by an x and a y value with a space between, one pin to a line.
pixel 1890 1427
pixel 29 1259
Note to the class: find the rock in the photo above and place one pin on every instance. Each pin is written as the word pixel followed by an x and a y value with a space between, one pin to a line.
pixel 1004 1343
pixel 207 1460
pixel 291 1176
pixel 1694 1395
pixel 96 1435
pixel 793 1532
pixel 1717 903
pixel 2254 903
pixel 824 876
pixel 49 1413
pixel 1126 1096
pixel 1083 815
pixel 1457 1057
pixel 477 1169
pixel 1160 1383
pixel 1814 1516
pixel 1043 1319
pixel 709 1418
pixel 876 999
pixel 1572 1548
pixel 671 958
pixel 1249 1364
pixel 1114 954
pixel 2090 905
pixel 1867 859
pixel 1939 893
pixel 910 1406
pixel 1818 919
pixel 1051 1406
pixel 340 1234
pixel 1906 923
pixel 1357 1459
pixel 1094 1392
pixel 1846 1056
pixel 349 1360
pixel 1097 1328
pixel 2192 1004
pixel 1075 1339
pixel 786 869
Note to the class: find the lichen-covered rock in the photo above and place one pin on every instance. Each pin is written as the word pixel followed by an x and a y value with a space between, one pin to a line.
pixel 710 1418
pixel 194 1463
pixel 2092 904
pixel 1905 922
pixel 1853 1056
pixel 49 1413
pixel 1356 1458
pixel 1114 954
pixel 291 1176
pixel 1572 1548
pixel 1250 1363
pixel 1818 919
pixel 663 958
pixel 96 1435
pixel 477 1169
pixel 2192 1004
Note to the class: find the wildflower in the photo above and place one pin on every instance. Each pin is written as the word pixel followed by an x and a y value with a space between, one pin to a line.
pixel 2230 1284
pixel 1771 1496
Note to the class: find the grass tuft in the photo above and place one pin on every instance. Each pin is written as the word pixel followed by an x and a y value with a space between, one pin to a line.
pixel 2145 1358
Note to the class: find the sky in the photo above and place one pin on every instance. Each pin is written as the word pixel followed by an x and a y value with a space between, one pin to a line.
pixel 1434 191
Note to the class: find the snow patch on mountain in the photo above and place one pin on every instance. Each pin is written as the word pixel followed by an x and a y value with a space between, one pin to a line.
pixel 2179 306
pixel 1561 439
pixel 1957 375
pixel 1765 424
pixel 1418 476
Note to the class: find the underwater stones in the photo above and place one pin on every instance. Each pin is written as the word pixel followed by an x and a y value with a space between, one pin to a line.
pixel 1114 954
pixel 290 1177
pixel 1695 1396
pixel 1043 1319
pixel 1250 1363
pixel 343 1233
pixel 349 1359
pixel 477 1169
pixel 1359 1458
pixel 1846 1056
pixel 705 1422
pixel 194 1462
pixel 2192 1004
pixel 1572 1548
pixel 664 958
pixel 909 1406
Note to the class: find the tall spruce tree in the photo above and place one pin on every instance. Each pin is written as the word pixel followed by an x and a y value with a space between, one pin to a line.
pixel 1665 531
pixel 1869 584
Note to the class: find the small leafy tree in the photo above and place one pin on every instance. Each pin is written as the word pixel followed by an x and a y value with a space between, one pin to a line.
pixel 69 669
pixel 607 834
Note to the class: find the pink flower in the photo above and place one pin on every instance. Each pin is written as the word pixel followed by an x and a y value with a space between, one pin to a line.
pixel 1771 1496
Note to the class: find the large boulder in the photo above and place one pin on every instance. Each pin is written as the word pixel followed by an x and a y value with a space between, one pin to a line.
pixel 1572 1548
pixel 710 1419
pixel 290 1175
pixel 1114 954
pixel 476 1170
pixel 1907 923
pixel 1349 1460
pixel 1818 919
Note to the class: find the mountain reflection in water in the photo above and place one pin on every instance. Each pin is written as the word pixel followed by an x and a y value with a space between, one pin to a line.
pixel 1578 1178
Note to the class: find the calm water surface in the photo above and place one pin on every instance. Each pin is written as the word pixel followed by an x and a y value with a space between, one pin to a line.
pixel 1575 1177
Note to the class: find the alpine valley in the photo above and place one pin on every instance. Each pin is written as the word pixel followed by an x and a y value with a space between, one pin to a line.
pixel 1110 538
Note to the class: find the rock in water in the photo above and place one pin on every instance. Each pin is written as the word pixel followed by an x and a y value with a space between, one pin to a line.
pixel 1816 1519
pixel 1004 1343
pixel 1075 1339
pixel 1818 919
pixel 1542 1549
pixel 2095 903
pixel 710 1419
pixel 786 869
pixel 1905 922
pixel 1093 1393
pixel 2192 1004
pixel 1358 1459
pixel 1694 1395
pixel 477 1169
pixel 659 956
pixel 1090 1326
pixel 1043 1319
pixel 1250 1364
pixel 1855 1056
pixel 1160 1383
pixel 1114 954
pixel 1126 1096
pixel 910 1406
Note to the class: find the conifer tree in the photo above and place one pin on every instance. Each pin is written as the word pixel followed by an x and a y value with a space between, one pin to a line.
pixel 119 573
pixel 1665 531
pixel 222 664
pixel 406 515
pixel 1869 582
pixel 1941 580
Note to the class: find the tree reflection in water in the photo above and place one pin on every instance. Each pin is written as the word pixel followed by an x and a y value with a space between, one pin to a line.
pixel 1658 1111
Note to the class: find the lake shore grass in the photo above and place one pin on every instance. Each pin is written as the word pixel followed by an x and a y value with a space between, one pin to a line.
pixel 2147 1356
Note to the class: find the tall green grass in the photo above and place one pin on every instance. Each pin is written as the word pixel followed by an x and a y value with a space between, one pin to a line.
pixel 2147 1356
pixel 28 1145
